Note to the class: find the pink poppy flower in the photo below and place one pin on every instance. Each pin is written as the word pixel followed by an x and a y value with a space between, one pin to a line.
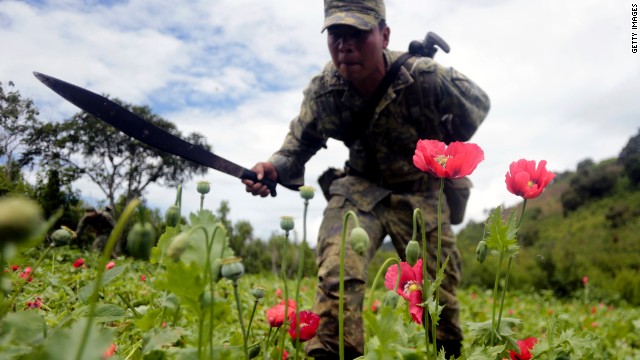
pixel 110 265
pixel 275 314
pixel 26 274
pixel 143 277
pixel 309 322
pixel 525 180
pixel 410 287
pixel 454 161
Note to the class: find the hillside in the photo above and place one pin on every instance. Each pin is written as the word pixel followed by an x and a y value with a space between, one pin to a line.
pixel 586 223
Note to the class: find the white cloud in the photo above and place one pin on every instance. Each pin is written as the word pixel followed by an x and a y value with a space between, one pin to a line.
pixel 561 76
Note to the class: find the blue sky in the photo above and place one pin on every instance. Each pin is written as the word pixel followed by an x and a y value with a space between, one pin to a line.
pixel 562 79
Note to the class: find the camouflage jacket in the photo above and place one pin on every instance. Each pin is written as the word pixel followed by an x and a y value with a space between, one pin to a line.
pixel 425 100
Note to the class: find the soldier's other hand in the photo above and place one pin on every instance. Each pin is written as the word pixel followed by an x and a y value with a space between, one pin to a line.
pixel 261 169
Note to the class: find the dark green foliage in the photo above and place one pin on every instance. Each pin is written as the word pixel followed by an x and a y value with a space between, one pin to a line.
pixel 632 169
pixel 597 239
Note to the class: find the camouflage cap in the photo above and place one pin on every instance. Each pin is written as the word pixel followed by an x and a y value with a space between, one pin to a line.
pixel 362 14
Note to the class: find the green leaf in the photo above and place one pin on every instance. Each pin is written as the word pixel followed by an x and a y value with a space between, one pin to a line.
pixel 158 253
pixel 205 227
pixel 64 344
pixel 185 281
pixel 501 235
pixel 104 312
pixel 85 292
pixel 18 332
pixel 157 339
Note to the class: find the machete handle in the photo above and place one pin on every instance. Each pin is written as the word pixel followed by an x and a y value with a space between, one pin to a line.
pixel 270 183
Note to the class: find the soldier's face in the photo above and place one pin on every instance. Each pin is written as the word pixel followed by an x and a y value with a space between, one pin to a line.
pixel 357 54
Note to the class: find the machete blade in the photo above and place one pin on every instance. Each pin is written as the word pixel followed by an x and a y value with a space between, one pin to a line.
pixel 144 131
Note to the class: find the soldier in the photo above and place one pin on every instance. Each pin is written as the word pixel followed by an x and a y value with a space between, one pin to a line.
pixel 102 223
pixel 381 184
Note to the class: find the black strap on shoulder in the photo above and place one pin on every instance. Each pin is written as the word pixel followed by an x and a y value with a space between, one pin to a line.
pixel 362 119
pixel 373 101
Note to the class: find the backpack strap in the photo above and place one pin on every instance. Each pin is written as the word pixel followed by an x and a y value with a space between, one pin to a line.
pixel 363 118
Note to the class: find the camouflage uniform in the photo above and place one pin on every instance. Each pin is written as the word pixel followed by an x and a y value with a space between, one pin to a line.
pixel 102 223
pixel 425 100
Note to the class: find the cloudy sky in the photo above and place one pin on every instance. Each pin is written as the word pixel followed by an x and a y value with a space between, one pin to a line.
pixel 563 81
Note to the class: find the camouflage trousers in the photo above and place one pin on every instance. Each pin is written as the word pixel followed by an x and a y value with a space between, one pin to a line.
pixel 101 241
pixel 392 216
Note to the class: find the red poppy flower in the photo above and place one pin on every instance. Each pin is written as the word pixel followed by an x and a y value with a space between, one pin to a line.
pixel 35 304
pixel 15 267
pixel 275 314
pixel 110 351
pixel 525 346
pixel 410 287
pixel 78 263
pixel 309 322
pixel 585 280
pixel 523 179
pixel 376 306
pixel 143 277
pixel 454 161
pixel 110 265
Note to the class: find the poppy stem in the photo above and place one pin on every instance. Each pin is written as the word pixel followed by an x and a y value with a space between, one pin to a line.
pixel 382 269
pixel 283 272
pixel 348 214
pixel 106 255
pixel 506 276
pixel 301 257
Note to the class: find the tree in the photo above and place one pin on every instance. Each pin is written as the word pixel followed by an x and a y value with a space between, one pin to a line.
pixel 119 165
pixel 18 117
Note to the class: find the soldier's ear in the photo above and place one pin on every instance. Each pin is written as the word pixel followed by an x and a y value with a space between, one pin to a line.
pixel 386 32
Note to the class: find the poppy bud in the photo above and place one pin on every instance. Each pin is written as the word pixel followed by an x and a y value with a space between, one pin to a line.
pixel 232 268
pixel 286 223
pixel 205 300
pixel 20 219
pixel 172 216
pixel 140 240
pixel 203 187
pixel 481 251
pixel 306 192
pixel 359 240
pixel 62 236
pixel 412 252
pixel 390 299
pixel 178 246
pixel 258 292
pixel 254 351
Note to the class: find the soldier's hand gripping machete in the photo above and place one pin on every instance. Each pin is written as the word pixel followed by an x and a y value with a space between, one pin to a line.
pixel 144 131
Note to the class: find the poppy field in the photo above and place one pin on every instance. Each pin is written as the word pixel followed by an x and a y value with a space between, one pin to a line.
pixel 185 295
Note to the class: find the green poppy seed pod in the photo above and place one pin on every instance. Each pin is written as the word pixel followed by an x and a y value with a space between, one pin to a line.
pixel 390 299
pixel 359 240
pixel 205 299
pixel 286 223
pixel 481 251
pixel 140 240
pixel 62 236
pixel 203 187
pixel 232 268
pixel 20 219
pixel 178 246
pixel 306 192
pixel 412 252
pixel 258 292
pixel 254 351
pixel 172 216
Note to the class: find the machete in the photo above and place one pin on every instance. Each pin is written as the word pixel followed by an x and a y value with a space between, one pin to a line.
pixel 146 132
